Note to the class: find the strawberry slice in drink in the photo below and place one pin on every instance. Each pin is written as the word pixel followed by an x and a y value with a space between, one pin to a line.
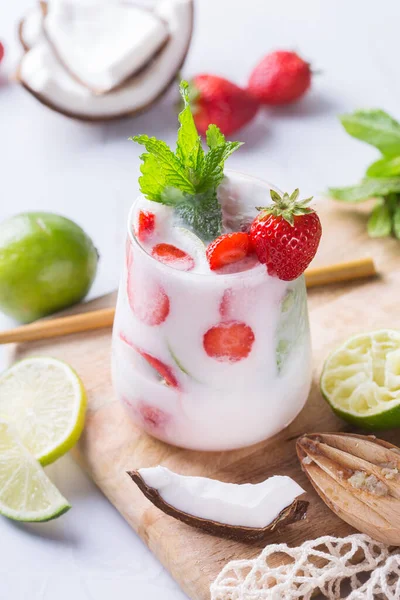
pixel 236 303
pixel 227 249
pixel 147 298
pixel 162 369
pixel 146 225
pixel 166 373
pixel 172 256
pixel 152 418
pixel 230 341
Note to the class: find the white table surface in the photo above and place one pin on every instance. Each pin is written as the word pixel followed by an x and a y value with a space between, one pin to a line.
pixel 89 173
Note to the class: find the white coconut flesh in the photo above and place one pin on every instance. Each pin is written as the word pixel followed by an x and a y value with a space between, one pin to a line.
pixel 44 75
pixel 31 30
pixel 103 43
pixel 245 505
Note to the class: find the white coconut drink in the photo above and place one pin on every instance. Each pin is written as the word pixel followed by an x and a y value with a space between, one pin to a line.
pixel 207 355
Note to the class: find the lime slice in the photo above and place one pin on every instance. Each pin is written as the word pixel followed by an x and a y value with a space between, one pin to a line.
pixel 361 380
pixel 26 493
pixel 191 237
pixel 45 400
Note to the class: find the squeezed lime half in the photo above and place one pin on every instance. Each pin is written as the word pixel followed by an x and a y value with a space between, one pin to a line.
pixel 361 380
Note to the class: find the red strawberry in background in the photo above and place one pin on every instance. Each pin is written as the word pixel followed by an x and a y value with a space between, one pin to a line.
pixel 279 78
pixel 219 101
pixel 1 52
pixel 286 235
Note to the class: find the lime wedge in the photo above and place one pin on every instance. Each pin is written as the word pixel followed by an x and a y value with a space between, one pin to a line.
pixel 361 380
pixel 26 493
pixel 45 401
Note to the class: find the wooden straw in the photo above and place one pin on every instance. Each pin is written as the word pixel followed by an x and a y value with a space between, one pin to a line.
pixel 101 319
pixel 48 328
pixel 348 271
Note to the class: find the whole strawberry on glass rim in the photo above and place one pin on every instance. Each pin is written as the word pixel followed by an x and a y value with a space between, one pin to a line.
pixel 286 235
pixel 210 350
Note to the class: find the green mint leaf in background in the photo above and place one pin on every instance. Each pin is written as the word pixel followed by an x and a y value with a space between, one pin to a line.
pixel 385 167
pixel 374 127
pixel 380 220
pixel 396 220
pixel 202 213
pixel 187 179
pixel 214 137
pixel 369 188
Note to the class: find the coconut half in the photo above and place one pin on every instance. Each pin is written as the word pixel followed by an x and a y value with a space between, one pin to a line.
pixel 44 76
pixel 102 44
pixel 244 512
pixel 30 29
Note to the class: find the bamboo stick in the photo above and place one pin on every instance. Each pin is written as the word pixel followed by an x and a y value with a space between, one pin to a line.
pixel 103 318
pixel 338 273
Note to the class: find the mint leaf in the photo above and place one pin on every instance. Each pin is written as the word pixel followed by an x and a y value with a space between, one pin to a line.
pixel 369 188
pixel 380 221
pixel 214 137
pixel 213 171
pixel 396 221
pixel 202 213
pixel 189 142
pixel 188 179
pixel 374 127
pixel 385 167
pixel 169 165
pixel 152 182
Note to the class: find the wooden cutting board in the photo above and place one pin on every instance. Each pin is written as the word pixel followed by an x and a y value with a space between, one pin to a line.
pixel 111 445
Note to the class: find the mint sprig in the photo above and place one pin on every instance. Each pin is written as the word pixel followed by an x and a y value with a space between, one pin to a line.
pixel 188 178
pixel 374 127
pixel 382 179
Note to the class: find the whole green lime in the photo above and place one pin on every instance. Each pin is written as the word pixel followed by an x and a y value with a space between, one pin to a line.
pixel 47 263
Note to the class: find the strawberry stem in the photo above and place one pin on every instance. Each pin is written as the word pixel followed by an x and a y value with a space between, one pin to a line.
pixel 286 206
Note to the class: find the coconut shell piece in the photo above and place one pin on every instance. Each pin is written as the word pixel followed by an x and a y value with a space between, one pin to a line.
pixel 129 109
pixel 292 513
pixel 40 8
pixel 358 478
